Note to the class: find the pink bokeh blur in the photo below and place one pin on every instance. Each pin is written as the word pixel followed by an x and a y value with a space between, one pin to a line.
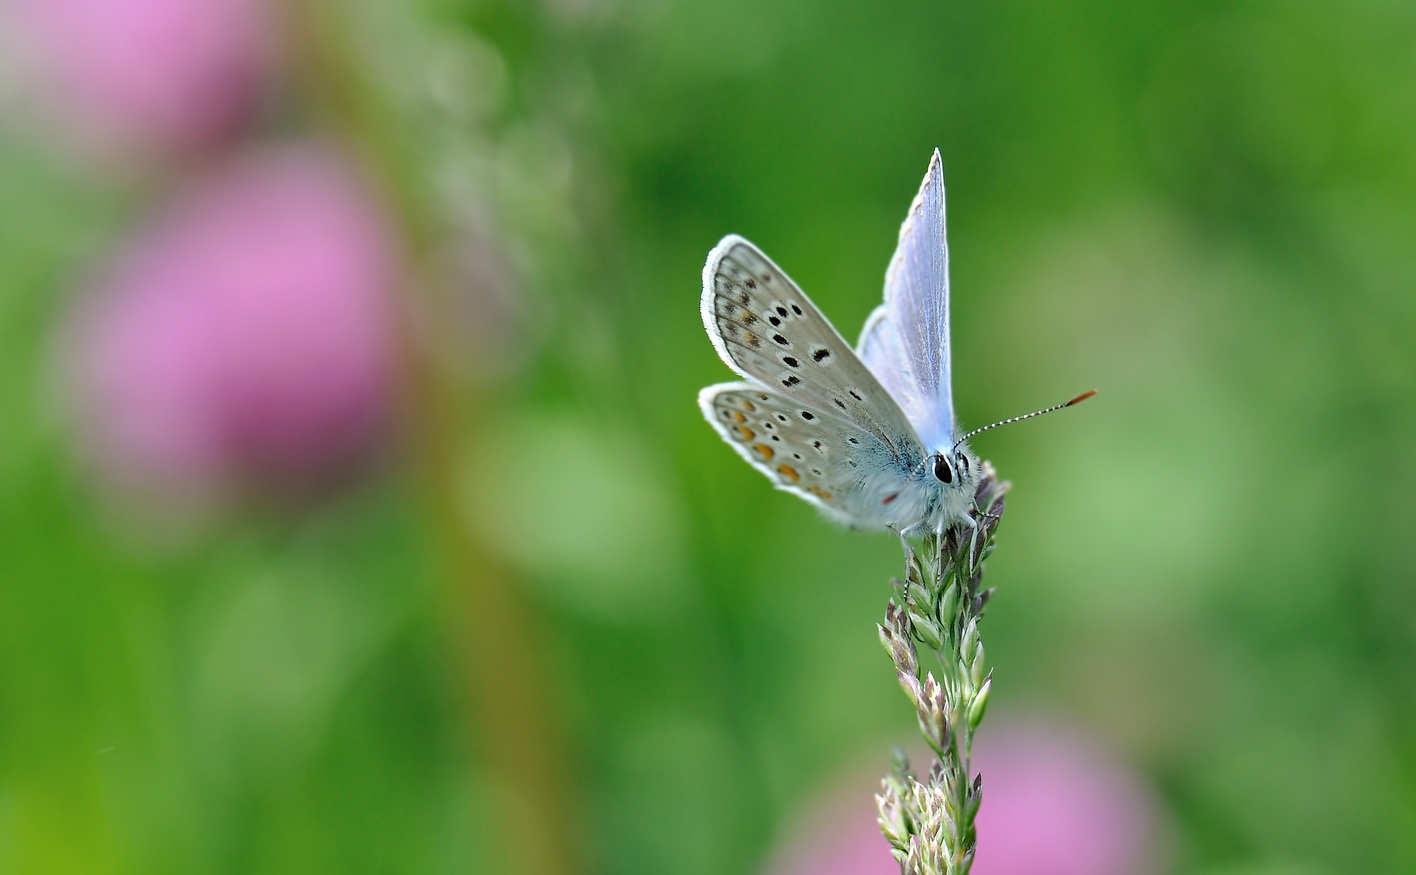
pixel 242 341
pixel 154 77
pixel 1054 802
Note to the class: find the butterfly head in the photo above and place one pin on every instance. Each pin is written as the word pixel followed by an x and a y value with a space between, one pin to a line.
pixel 955 468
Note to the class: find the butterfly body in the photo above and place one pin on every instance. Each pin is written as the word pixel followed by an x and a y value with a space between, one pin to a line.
pixel 868 433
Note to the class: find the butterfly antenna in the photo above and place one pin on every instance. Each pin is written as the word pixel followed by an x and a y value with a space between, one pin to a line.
pixel 1077 400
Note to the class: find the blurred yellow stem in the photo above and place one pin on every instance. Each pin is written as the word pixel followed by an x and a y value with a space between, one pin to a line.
pixel 502 673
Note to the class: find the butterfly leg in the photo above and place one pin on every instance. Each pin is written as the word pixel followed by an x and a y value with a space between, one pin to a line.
pixel 903 535
pixel 908 531
pixel 973 536
pixel 976 517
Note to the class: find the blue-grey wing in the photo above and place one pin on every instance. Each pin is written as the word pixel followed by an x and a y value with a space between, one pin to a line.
pixel 883 352
pixel 910 339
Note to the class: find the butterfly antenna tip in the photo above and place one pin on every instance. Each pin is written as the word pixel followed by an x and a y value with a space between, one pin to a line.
pixel 1076 400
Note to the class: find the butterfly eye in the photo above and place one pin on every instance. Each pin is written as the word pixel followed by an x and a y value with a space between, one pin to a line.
pixel 942 470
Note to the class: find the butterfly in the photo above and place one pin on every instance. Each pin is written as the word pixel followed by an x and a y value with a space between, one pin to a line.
pixel 867 434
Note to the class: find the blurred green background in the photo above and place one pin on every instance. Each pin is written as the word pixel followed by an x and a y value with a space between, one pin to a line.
pixel 1205 210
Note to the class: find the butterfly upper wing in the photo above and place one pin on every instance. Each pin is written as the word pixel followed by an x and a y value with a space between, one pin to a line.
pixel 909 338
pixel 806 379
pixel 882 351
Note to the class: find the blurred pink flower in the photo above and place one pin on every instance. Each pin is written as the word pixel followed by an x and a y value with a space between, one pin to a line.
pixel 243 340
pixel 156 75
pixel 1053 802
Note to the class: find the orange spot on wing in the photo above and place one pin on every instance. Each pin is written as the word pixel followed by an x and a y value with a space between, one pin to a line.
pixel 738 415
pixel 819 492
pixel 789 472
pixel 746 433
pixel 891 497
pixel 763 450
pixel 748 405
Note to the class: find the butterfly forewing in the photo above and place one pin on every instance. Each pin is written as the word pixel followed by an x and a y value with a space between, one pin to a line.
pixel 766 329
pixel 917 304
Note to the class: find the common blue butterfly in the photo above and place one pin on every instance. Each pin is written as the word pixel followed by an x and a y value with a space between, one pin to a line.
pixel 866 434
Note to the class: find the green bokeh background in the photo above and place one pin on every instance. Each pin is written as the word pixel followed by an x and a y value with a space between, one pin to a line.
pixel 1206 210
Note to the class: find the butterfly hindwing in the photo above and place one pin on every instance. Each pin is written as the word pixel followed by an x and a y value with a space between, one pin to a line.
pixel 883 353
pixel 784 442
